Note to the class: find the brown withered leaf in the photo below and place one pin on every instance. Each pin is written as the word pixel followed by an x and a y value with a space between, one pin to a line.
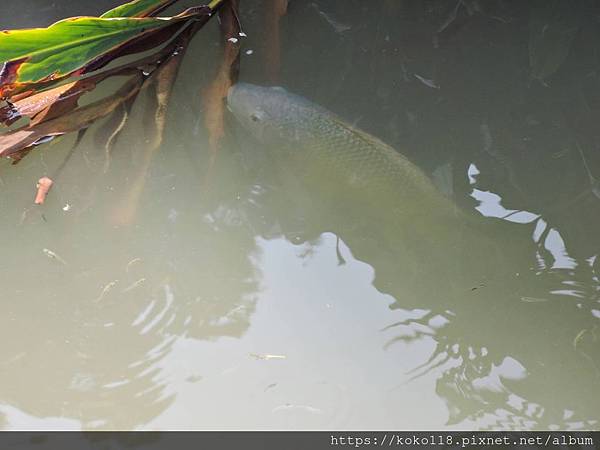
pixel 32 105
pixel 23 138
pixel 67 101
pixel 54 102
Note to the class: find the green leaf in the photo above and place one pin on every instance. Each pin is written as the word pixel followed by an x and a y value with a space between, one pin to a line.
pixel 138 8
pixel 45 54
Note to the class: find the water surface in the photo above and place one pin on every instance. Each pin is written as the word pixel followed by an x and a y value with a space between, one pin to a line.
pixel 230 299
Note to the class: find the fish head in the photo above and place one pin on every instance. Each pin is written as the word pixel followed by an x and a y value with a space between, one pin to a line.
pixel 270 113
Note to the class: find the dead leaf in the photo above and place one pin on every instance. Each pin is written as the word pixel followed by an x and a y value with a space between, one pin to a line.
pixel 23 138
pixel 267 357
pixel 34 104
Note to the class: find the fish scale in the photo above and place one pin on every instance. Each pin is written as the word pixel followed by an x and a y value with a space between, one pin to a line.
pixel 380 173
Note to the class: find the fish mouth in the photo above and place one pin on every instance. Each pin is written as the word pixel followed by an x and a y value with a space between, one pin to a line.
pixel 239 91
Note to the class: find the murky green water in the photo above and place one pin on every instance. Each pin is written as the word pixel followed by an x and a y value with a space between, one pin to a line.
pixel 231 298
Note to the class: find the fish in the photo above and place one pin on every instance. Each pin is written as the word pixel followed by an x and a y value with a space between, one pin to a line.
pixel 383 206
pixel 320 143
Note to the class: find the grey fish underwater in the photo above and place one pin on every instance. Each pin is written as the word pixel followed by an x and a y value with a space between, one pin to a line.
pixel 370 195
pixel 320 143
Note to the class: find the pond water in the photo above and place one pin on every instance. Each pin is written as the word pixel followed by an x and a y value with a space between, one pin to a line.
pixel 165 290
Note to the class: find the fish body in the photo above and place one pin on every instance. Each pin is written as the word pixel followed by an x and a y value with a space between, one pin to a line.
pixel 322 145
pixel 381 205
pixel 373 198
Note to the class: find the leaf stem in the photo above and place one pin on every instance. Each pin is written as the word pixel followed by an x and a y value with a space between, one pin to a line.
pixel 215 4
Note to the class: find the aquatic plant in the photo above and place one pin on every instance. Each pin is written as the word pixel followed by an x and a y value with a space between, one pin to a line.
pixel 46 71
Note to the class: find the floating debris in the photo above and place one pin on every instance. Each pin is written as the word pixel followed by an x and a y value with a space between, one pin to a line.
pixel 578 338
pixel 67 207
pixel 426 82
pixel 106 290
pixel 271 386
pixel 194 378
pixel 52 255
pixel 337 26
pixel 560 154
pixel 267 357
pixel 43 186
pixel 533 300
pixel 233 40
pixel 249 52
pixel 172 216
pixel 289 406
pixel 134 285
pixel 131 263
pixel 451 17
